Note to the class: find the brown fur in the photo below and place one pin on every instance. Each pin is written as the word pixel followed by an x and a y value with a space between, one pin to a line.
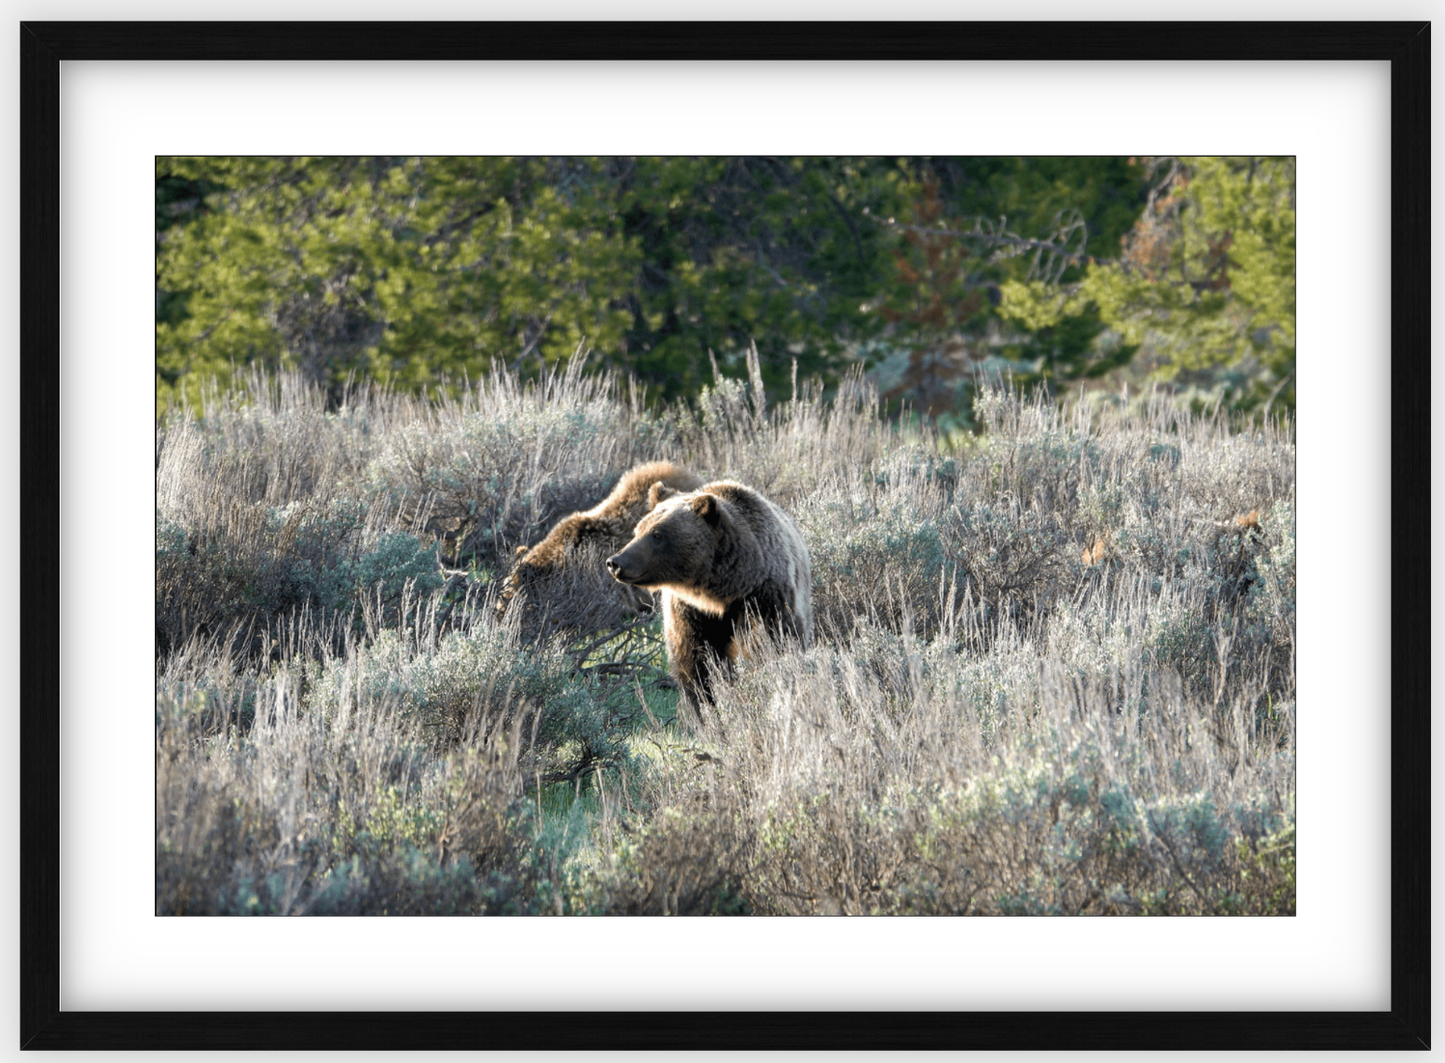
pixel 719 555
pixel 587 537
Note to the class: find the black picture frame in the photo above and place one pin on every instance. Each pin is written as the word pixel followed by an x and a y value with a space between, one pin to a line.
pixel 45 45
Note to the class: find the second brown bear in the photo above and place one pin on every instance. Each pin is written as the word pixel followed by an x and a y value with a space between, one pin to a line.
pixel 558 576
pixel 724 558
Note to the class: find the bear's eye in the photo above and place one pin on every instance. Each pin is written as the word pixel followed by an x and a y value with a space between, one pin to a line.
pixel 657 536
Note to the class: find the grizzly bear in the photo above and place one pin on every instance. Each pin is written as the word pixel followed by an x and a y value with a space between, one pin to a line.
pixel 728 562
pixel 562 579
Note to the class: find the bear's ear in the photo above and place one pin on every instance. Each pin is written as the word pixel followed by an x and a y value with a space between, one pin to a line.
pixel 659 492
pixel 522 550
pixel 706 507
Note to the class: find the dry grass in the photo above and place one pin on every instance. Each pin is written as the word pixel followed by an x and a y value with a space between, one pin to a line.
pixel 1054 673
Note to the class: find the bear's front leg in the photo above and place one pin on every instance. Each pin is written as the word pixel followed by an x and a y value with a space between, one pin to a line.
pixel 698 650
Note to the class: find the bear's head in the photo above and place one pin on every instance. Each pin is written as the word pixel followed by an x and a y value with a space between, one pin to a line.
pixel 674 544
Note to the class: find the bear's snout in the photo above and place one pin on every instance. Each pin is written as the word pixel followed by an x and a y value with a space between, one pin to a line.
pixel 631 564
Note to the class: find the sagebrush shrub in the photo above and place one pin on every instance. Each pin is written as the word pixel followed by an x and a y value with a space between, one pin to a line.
pixel 1053 672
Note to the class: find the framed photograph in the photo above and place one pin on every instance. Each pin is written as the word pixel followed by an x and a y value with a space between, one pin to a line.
pixel 1347 102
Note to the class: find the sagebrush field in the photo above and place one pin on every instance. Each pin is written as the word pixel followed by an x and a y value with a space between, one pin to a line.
pixel 1053 674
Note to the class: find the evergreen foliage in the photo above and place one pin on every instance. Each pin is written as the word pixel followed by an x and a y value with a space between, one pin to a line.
pixel 419 273
pixel 1206 280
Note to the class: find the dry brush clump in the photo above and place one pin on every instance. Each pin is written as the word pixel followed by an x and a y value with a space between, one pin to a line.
pixel 394 778
pixel 298 815
pixel 1054 668
pixel 860 784
pixel 258 517
pixel 1060 681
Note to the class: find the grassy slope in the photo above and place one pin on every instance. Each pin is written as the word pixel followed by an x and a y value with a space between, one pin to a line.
pixel 1054 673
